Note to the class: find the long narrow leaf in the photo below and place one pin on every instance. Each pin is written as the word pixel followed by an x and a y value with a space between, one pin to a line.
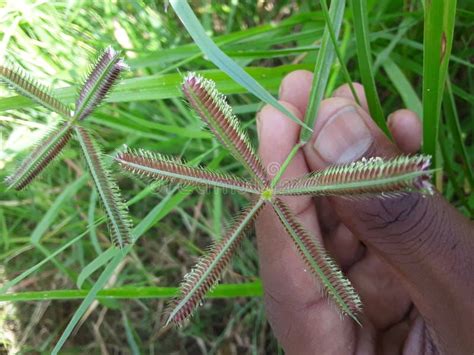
pixel 208 270
pixel 322 67
pixel 337 286
pixel 213 109
pixel 222 61
pixel 117 214
pixel 364 57
pixel 25 85
pixel 43 153
pixel 148 164
pixel 365 177
pixel 437 43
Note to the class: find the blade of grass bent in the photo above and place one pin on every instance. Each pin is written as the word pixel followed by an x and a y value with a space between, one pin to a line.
pixel 364 57
pixel 222 61
pixel 322 67
pixel 405 89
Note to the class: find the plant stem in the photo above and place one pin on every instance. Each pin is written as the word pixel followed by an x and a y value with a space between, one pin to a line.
pixel 285 164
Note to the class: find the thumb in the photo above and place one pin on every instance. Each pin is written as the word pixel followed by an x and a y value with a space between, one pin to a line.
pixel 427 242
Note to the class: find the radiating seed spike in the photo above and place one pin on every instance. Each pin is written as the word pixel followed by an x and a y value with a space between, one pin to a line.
pixel 337 286
pixel 209 268
pixel 20 81
pixel 44 152
pixel 158 167
pixel 117 212
pixel 365 178
pixel 213 109
pixel 102 77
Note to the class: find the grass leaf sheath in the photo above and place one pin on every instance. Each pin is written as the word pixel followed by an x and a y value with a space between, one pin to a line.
pixel 116 210
pixel 209 268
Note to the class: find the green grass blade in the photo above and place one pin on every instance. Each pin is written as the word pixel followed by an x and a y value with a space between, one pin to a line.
pixel 323 65
pixel 117 213
pixel 437 43
pixel 453 125
pixel 91 295
pixel 34 268
pixel 222 61
pixel 364 58
pixel 157 87
pixel 249 289
pixel 94 265
pixel 405 89
pixel 55 209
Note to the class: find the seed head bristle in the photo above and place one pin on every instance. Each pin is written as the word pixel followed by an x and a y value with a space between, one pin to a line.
pixel 42 154
pixel 207 272
pixel 159 167
pixel 213 109
pixel 315 256
pixel 20 81
pixel 118 220
pixel 102 77
pixel 366 177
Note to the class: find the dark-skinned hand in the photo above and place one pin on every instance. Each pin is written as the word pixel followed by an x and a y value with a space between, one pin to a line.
pixel 411 259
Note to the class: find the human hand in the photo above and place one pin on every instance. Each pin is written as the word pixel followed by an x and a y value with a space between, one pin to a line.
pixel 411 259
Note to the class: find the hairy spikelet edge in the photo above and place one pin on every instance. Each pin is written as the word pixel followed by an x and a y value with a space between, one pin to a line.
pixel 44 152
pixel 20 81
pixel 119 222
pixel 365 178
pixel 313 253
pixel 213 109
pixel 209 268
pixel 99 82
pixel 159 167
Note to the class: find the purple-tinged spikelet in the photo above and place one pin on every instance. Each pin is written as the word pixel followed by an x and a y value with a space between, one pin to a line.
pixel 213 109
pixel 43 153
pixel 366 177
pixel 24 84
pixel 99 82
pixel 158 167
pixel 209 268
pixel 313 253
pixel 118 220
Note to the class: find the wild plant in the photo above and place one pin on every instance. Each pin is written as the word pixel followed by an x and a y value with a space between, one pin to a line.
pixel 102 77
pixel 367 177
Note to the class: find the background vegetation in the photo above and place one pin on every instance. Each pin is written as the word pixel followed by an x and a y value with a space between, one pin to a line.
pixel 52 235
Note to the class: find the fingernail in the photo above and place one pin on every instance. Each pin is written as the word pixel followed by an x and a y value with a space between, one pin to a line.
pixel 344 138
